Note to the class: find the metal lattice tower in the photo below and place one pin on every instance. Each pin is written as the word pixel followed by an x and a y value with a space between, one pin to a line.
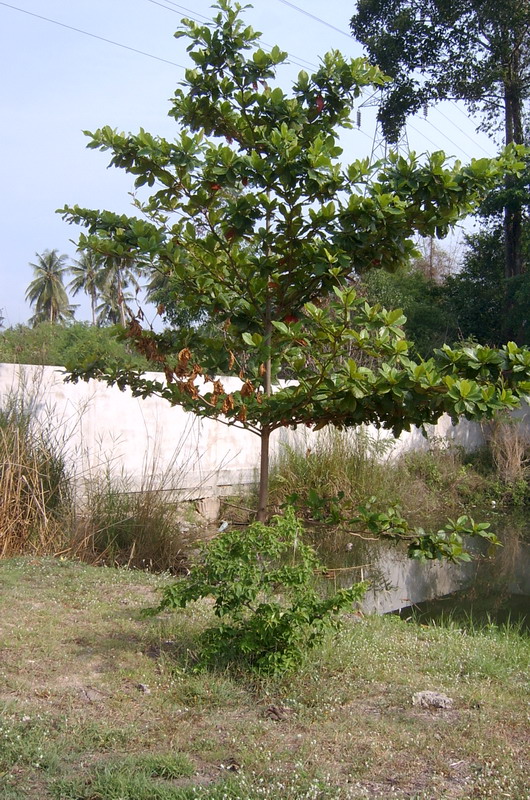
pixel 380 146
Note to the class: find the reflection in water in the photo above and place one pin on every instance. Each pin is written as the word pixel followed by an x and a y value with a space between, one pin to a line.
pixel 495 584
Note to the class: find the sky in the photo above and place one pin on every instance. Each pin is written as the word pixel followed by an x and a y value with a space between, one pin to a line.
pixel 59 82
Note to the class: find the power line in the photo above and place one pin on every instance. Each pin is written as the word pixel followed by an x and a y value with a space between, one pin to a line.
pixel 189 11
pixel 92 35
pixel 464 113
pixel 344 33
pixel 317 19
pixel 159 58
pixel 459 146
pixel 463 131
pixel 410 125
pixel 360 130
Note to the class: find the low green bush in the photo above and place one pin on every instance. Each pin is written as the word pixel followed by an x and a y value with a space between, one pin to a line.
pixel 264 584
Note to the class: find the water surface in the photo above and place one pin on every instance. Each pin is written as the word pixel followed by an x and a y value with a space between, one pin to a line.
pixel 495 585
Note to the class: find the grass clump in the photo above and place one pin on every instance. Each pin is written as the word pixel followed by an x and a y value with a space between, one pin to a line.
pixel 35 484
pixel 141 777
pixel 342 469
pixel 339 466
pixel 139 528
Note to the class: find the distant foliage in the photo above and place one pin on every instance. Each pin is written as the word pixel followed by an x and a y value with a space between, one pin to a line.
pixel 66 345
pixel 484 304
pixel 430 319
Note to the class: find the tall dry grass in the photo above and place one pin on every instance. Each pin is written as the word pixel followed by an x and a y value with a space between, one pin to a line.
pixel 344 469
pixel 509 449
pixel 143 523
pixel 350 463
pixel 35 485
pixel 137 527
pixel 95 513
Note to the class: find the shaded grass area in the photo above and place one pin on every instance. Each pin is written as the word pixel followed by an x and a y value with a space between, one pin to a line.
pixel 99 703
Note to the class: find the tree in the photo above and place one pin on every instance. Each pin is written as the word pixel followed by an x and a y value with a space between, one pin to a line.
pixel 106 279
pixel 255 217
pixel 435 262
pixel 484 304
pixel 46 291
pixel 165 292
pixel 118 274
pixel 477 51
pixel 86 273
pixel 430 320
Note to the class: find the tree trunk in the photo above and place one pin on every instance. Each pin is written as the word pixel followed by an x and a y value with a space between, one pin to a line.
pixel 263 495
pixel 513 214
pixel 513 264
pixel 121 300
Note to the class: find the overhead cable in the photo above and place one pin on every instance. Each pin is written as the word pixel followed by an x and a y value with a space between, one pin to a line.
pixel 317 19
pixel 92 35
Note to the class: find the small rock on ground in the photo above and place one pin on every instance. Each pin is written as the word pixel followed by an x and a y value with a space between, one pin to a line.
pixel 432 700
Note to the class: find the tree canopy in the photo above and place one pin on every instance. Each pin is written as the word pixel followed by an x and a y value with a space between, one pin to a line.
pixel 472 50
pixel 257 220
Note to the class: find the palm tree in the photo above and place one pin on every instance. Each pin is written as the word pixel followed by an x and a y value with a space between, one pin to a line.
pixel 88 276
pixel 119 275
pixel 46 292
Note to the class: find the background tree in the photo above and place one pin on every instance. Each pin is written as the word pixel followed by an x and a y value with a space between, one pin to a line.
pixel 434 261
pixel 482 303
pixel 118 287
pixel 430 317
pixel 262 227
pixel 164 291
pixel 87 277
pixel 46 292
pixel 477 51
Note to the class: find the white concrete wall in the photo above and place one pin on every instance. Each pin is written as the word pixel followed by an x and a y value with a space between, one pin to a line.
pixel 102 427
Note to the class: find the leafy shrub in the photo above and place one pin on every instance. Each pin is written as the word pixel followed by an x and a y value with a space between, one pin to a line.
pixel 264 583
